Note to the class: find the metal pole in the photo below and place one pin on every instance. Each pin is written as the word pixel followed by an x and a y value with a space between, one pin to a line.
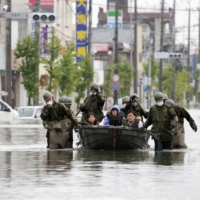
pixel 149 74
pixel 131 53
pixel 188 94
pixel 116 48
pixel 90 27
pixel 8 57
pixel 135 50
pixel 161 47
pixel 174 61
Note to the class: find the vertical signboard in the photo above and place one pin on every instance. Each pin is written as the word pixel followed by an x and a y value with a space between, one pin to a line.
pixel 111 19
pixel 81 29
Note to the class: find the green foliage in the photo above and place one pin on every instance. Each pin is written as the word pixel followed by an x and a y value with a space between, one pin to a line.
pixel 167 81
pixel 28 51
pixel 154 70
pixel 53 48
pixel 182 86
pixel 107 87
pixel 67 73
pixel 86 78
pixel 126 73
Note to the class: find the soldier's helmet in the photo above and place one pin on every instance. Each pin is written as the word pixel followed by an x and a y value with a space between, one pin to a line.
pixel 134 97
pixel 125 99
pixel 67 100
pixel 61 99
pixel 165 97
pixel 158 96
pixel 170 102
pixel 47 95
pixel 94 86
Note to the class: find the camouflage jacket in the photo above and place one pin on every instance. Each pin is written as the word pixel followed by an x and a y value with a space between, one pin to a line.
pixel 139 111
pixel 70 123
pixel 182 113
pixel 163 119
pixel 57 112
pixel 94 103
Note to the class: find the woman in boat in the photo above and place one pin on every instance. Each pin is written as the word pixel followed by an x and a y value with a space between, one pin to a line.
pixel 90 119
pixel 132 120
pixel 114 117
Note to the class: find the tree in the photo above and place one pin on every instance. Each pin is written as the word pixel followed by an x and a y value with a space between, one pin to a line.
pixel 28 51
pixel 66 72
pixel 125 72
pixel 154 70
pixel 53 47
pixel 87 74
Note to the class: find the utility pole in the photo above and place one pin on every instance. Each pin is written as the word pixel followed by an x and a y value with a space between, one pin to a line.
pixel 161 46
pixel 131 53
pixel 188 63
pixel 135 51
pixel 149 73
pixel 116 49
pixel 173 50
pixel 37 39
pixel 8 57
pixel 90 27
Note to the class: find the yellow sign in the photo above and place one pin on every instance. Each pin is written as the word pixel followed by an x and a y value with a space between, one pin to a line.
pixel 81 51
pixel 81 35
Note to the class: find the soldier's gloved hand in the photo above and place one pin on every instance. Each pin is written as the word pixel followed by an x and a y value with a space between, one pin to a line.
pixel 194 128
pixel 46 126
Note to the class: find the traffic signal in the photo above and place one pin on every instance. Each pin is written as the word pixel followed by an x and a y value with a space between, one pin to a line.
pixel 175 55
pixel 44 17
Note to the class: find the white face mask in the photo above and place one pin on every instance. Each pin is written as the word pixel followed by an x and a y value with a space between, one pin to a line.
pixel 50 103
pixel 159 103
pixel 91 93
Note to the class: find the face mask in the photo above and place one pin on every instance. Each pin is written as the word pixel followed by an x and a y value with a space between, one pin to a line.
pixel 50 103
pixel 159 103
pixel 91 93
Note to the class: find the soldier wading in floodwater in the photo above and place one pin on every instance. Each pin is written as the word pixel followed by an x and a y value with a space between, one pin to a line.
pixel 55 115
pixel 163 119
pixel 93 103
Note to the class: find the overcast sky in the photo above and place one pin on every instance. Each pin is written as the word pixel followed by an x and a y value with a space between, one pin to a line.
pixel 182 7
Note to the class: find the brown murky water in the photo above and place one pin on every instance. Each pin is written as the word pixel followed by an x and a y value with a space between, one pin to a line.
pixel 29 171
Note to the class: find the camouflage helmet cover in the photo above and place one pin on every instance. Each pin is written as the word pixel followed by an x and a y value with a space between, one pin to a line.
pixel 170 102
pixel 47 95
pixel 94 86
pixel 165 97
pixel 158 96
pixel 134 97
pixel 125 99
pixel 61 99
pixel 67 100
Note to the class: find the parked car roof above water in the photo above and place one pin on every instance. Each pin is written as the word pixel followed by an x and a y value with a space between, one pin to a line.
pixel 29 112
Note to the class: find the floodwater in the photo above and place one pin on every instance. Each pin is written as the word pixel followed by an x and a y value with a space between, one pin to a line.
pixel 29 171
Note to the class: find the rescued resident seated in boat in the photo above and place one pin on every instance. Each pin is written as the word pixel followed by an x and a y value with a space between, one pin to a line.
pixel 90 119
pixel 178 141
pixel 132 120
pixel 114 117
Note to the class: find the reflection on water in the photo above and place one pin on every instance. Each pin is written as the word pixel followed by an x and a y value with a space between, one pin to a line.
pixel 30 171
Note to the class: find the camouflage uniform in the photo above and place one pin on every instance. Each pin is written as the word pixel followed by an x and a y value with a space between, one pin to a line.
pixel 93 103
pixel 179 132
pixel 164 119
pixel 139 111
pixel 57 113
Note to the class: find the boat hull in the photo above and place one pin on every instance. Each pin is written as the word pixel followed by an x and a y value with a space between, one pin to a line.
pixel 113 138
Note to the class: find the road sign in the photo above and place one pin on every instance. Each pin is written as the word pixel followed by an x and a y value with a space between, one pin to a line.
pixel 145 89
pixel 17 15
pixel 115 86
pixel 115 78
pixel 4 93
pixel 161 55
pixel 111 19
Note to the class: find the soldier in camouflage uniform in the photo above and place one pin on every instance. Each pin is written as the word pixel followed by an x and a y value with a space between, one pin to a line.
pixel 179 131
pixel 134 105
pixel 163 119
pixel 54 114
pixel 93 103
pixel 125 101
pixel 165 97
pixel 68 102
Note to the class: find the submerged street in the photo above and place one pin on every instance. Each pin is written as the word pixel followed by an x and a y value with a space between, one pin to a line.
pixel 30 171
